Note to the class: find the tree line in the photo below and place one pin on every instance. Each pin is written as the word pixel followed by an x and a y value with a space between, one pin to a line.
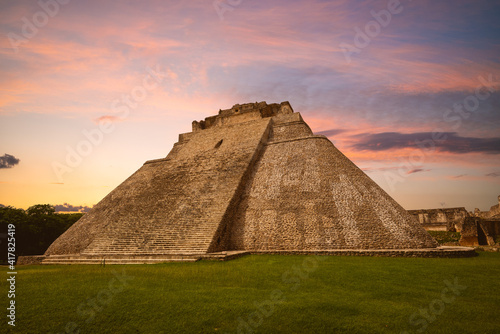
pixel 35 228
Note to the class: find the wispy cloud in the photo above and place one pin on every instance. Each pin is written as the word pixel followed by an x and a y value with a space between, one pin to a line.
pixel 417 170
pixel 371 169
pixel 397 90
pixel 451 142
pixel 331 132
pixel 107 118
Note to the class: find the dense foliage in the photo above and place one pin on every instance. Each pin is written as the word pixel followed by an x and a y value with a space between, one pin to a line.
pixel 35 228
pixel 443 237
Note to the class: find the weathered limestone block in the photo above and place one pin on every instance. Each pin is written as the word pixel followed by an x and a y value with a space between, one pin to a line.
pixel 442 219
pixel 494 211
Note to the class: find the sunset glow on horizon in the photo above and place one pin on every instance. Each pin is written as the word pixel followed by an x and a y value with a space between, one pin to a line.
pixel 408 90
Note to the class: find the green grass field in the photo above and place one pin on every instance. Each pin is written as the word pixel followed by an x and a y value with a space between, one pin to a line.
pixel 262 294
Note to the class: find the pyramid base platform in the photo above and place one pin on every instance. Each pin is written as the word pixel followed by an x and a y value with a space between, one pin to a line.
pixel 443 252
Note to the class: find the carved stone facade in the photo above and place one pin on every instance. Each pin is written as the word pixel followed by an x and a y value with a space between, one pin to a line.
pixel 252 178
pixel 445 219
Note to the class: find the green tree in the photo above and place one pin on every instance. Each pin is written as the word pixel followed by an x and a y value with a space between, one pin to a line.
pixel 36 228
pixel 9 215
pixel 41 210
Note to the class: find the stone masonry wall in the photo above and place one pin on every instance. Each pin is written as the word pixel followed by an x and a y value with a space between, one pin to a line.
pixel 494 211
pixel 305 195
pixel 171 205
pixel 443 219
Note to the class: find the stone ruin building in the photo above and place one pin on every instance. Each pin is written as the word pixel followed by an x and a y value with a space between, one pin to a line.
pixel 252 179
pixel 445 219
pixel 482 227
pixel 494 211
pixel 478 228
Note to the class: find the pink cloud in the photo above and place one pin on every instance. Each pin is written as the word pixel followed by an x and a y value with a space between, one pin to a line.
pixel 417 170
pixel 108 118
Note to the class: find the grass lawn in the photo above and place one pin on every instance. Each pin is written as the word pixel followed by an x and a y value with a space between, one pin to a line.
pixel 262 294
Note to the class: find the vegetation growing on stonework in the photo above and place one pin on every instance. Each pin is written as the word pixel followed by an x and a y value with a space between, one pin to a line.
pixel 36 228
pixel 443 237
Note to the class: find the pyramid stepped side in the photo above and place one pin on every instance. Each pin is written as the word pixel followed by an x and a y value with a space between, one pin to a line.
pixel 252 178
pixel 173 205
pixel 304 194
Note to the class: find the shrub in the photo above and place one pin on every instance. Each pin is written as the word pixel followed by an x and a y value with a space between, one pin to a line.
pixel 443 237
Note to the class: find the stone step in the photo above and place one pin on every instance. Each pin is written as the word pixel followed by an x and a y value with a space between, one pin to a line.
pixel 117 261
pixel 132 242
pixel 133 258
pixel 148 249
pixel 160 242
pixel 125 247
pixel 120 258
pixel 155 239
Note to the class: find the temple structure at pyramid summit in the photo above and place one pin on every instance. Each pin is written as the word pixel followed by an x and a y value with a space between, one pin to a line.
pixel 252 179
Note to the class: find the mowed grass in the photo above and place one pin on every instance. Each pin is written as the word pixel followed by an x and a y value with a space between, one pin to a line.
pixel 262 294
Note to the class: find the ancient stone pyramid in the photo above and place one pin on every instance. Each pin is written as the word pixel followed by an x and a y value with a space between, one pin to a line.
pixel 254 178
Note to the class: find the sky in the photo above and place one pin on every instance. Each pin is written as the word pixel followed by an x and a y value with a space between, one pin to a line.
pixel 408 90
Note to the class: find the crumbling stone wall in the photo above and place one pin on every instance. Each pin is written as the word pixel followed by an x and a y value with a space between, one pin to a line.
pixel 494 211
pixel 478 231
pixel 483 228
pixel 444 219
